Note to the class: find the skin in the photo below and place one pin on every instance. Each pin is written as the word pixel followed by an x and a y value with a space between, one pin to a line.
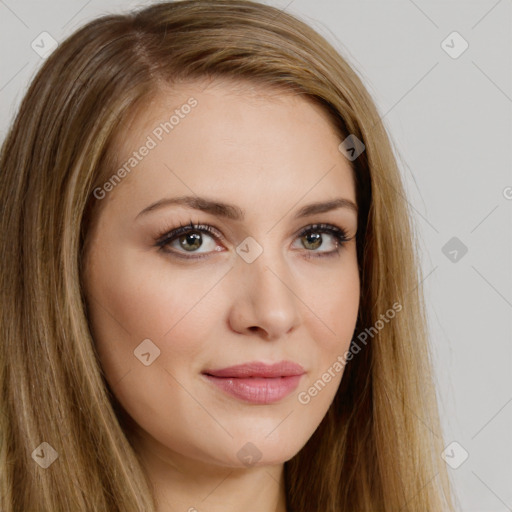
pixel 270 153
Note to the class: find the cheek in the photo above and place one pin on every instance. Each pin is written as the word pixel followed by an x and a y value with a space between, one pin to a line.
pixel 335 305
pixel 134 297
pixel 334 309
pixel 344 310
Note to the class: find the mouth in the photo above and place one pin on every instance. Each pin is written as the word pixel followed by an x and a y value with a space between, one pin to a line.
pixel 257 382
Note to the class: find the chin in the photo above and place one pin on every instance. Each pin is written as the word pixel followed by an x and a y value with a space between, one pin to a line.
pixel 258 450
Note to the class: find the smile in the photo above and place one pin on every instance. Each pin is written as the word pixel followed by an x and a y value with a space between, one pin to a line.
pixel 256 382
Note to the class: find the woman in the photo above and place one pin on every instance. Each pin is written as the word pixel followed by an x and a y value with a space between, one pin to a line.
pixel 285 367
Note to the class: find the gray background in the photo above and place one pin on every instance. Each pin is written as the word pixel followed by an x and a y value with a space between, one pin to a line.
pixel 450 120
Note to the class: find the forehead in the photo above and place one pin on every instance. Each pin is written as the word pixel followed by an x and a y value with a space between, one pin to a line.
pixel 243 140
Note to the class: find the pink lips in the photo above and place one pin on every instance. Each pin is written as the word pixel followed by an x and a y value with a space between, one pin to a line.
pixel 257 382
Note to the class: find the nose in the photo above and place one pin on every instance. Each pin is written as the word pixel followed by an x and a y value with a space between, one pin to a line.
pixel 265 301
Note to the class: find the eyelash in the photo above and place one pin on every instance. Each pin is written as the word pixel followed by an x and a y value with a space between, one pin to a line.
pixel 166 237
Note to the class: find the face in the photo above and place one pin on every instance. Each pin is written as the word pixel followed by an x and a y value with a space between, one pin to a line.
pixel 258 280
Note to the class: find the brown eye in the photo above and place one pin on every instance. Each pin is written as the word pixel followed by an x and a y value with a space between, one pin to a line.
pixel 312 238
pixel 312 241
pixel 194 239
pixel 188 239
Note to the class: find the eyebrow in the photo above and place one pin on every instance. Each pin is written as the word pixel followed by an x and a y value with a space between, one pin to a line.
pixel 233 212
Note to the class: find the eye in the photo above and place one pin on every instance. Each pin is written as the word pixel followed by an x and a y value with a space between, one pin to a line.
pixel 311 238
pixel 189 238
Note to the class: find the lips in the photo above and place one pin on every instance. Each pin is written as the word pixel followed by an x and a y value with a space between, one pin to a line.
pixel 257 382
pixel 257 369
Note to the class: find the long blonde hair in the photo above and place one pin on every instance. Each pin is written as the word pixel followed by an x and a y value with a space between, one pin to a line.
pixel 377 449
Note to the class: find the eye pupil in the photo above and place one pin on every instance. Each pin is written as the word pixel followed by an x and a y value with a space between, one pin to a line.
pixel 312 238
pixel 193 238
